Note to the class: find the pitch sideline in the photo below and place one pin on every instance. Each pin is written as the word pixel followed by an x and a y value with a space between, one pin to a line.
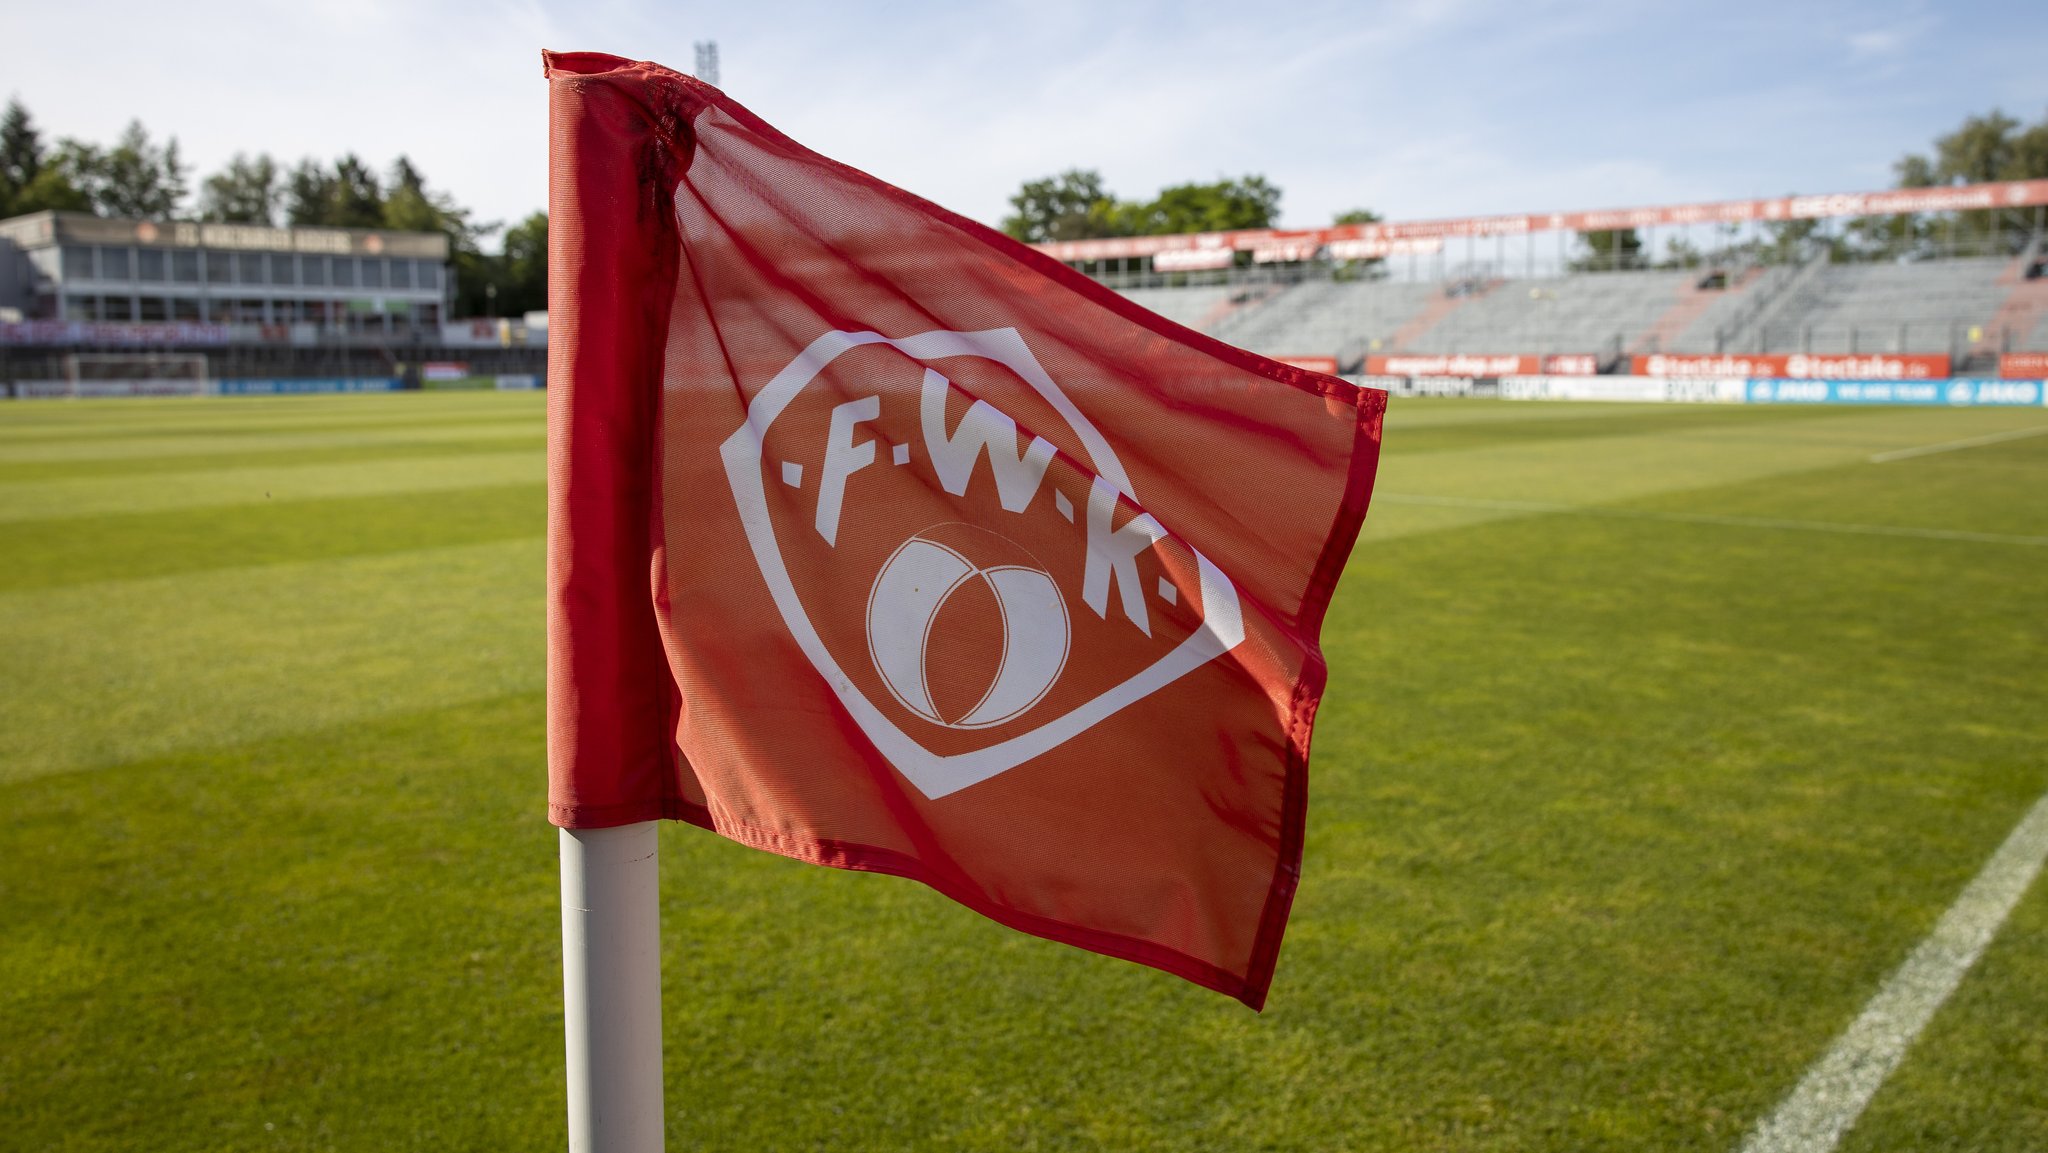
pixel 1835 1090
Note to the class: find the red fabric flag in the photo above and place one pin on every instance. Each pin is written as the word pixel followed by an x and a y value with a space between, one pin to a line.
pixel 878 540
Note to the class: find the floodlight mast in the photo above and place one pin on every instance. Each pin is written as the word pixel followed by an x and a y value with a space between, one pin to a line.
pixel 707 62
pixel 611 987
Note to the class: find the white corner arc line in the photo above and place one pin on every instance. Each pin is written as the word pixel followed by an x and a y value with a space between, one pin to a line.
pixel 1832 1095
pixel 1953 445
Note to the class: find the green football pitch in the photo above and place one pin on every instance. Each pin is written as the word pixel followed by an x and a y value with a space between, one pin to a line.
pixel 1657 738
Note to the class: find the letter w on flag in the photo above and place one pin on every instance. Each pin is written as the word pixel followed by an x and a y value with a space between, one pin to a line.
pixel 880 541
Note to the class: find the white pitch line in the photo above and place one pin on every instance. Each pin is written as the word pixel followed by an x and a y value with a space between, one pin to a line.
pixel 1953 445
pixel 1707 518
pixel 1831 1096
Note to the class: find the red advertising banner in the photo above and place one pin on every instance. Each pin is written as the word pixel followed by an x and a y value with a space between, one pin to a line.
pixel 1957 198
pixel 1327 365
pixel 2023 366
pixel 1192 259
pixel 1483 365
pixel 1799 366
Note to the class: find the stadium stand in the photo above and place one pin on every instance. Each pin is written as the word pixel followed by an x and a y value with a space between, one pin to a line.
pixel 1924 307
pixel 1326 317
pixel 1967 281
pixel 1591 313
pixel 1958 307
pixel 1198 307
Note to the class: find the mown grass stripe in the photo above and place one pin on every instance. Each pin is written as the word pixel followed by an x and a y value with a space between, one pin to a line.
pixel 190 488
pixel 100 674
pixel 280 453
pixel 201 442
pixel 136 546
pixel 42 421
pixel 1547 507
pixel 1465 435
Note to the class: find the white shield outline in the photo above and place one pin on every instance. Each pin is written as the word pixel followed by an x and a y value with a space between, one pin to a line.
pixel 935 776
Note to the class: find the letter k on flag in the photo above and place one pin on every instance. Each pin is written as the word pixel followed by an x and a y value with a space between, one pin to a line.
pixel 878 540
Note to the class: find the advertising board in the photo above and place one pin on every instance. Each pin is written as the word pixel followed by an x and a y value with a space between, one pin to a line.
pixel 1797 366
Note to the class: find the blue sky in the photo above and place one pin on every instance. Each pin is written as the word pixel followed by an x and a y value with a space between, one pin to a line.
pixel 1418 110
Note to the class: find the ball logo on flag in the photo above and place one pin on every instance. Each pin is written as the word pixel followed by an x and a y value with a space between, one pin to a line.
pixel 972 595
pixel 932 608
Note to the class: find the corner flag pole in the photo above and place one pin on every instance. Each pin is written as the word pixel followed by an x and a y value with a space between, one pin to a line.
pixel 611 987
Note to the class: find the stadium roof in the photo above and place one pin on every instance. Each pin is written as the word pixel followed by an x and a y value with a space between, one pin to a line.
pixel 1951 198
pixel 43 228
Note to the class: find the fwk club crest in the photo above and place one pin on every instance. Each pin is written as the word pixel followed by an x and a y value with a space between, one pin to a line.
pixel 959 553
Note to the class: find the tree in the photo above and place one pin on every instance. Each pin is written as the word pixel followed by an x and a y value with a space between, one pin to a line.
pixel 52 189
pixel 345 196
pixel 1074 205
pixel 1071 206
pixel 1223 205
pixel 21 154
pixel 1610 250
pixel 136 178
pixel 247 191
pixel 1369 268
pixel 1984 148
pixel 525 267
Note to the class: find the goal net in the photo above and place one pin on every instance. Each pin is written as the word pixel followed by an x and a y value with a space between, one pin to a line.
pixel 135 374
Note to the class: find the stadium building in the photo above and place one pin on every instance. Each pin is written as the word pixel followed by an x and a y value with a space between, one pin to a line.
pixel 105 307
pixel 66 266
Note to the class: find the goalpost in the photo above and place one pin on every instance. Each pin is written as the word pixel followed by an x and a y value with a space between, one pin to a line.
pixel 135 374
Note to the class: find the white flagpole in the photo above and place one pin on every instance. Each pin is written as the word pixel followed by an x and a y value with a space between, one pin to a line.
pixel 611 987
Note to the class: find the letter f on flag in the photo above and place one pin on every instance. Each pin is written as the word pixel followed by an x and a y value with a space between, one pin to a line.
pixel 879 540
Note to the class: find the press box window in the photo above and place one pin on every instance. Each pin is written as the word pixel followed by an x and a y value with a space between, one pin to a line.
pixel 281 269
pixel 401 274
pixel 113 264
pixel 185 266
pixel 249 268
pixel 219 267
pixel 149 265
pixel 344 272
pixel 313 270
pixel 78 263
pixel 373 274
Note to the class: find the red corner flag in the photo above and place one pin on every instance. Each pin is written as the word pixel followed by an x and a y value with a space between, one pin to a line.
pixel 878 540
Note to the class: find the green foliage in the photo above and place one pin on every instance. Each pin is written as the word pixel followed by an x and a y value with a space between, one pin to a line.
pixel 1608 251
pixel 1070 206
pixel 1221 205
pixel 248 191
pixel 1370 268
pixel 1075 205
pixel 51 190
pixel 135 178
pixel 21 155
pixel 525 287
pixel 1982 149
pixel 346 195
pixel 1616 819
